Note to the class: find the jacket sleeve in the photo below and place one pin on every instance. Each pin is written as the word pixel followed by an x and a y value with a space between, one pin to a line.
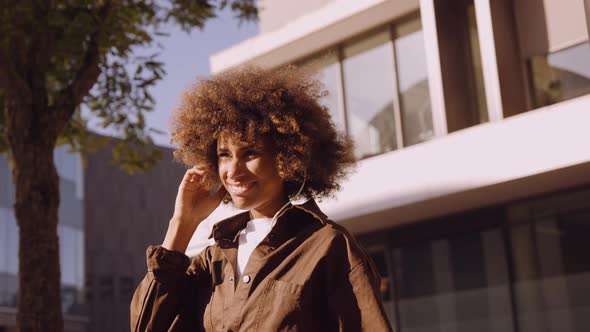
pixel 353 288
pixel 165 300
pixel 356 304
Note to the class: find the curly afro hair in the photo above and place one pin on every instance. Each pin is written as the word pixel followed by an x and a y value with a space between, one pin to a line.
pixel 280 104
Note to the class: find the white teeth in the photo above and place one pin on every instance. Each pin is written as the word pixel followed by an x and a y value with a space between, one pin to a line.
pixel 240 189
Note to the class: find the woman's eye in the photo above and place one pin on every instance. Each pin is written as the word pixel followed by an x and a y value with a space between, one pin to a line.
pixel 222 155
pixel 250 153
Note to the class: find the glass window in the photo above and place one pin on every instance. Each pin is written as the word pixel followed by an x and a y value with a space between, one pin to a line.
pixel 414 276
pixel 360 77
pixel 412 79
pixel 468 273
pixel 89 288
pixel 106 288
pixel 71 299
pixel 10 241
pixel 552 265
pixel 480 94
pixel 368 88
pixel 327 67
pixel 71 252
pixel 3 239
pixel 8 290
pixel 6 184
pixel 457 283
pixel 8 258
pixel 126 289
pixel 561 75
pixel 65 162
pixel 70 207
pixel 71 249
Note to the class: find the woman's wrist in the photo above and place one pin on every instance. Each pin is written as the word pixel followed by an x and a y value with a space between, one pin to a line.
pixel 179 234
pixel 185 220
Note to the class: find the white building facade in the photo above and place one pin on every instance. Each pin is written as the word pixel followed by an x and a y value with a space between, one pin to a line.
pixel 471 122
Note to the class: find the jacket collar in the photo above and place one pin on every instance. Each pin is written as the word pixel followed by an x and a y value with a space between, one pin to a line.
pixel 229 228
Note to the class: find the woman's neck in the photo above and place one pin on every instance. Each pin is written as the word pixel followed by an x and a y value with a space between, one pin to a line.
pixel 269 210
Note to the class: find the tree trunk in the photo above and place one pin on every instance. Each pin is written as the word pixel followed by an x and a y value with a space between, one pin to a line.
pixel 32 141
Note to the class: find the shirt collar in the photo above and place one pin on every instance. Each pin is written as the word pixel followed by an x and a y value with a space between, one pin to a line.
pixel 229 228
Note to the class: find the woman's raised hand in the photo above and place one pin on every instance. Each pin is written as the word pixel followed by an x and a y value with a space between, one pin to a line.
pixel 194 202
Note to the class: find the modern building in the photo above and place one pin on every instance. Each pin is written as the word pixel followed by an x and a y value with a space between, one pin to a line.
pixel 107 218
pixel 471 122
pixel 123 215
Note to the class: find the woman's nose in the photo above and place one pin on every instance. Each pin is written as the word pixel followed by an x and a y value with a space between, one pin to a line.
pixel 234 168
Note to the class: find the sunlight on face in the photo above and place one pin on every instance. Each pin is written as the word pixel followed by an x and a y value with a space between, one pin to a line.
pixel 248 173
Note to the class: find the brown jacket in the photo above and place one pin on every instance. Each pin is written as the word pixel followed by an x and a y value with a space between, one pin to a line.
pixel 308 274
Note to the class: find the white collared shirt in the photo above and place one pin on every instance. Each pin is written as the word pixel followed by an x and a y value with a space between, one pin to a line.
pixel 254 232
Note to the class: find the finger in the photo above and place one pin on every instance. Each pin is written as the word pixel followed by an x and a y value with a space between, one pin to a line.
pixel 195 170
pixel 198 168
pixel 191 177
pixel 188 177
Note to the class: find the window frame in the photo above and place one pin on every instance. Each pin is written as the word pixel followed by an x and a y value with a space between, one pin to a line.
pixel 338 48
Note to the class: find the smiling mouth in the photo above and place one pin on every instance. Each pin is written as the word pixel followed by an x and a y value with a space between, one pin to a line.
pixel 240 189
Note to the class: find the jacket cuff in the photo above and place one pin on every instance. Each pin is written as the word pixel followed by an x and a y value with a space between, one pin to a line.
pixel 161 259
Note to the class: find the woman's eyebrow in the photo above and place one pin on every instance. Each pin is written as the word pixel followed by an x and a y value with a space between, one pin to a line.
pixel 221 150
pixel 242 148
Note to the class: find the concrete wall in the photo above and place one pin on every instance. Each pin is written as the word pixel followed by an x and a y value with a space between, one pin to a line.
pixel 123 215
pixel 549 25
pixel 276 13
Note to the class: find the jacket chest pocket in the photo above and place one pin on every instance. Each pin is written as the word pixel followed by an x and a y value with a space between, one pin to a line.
pixel 280 306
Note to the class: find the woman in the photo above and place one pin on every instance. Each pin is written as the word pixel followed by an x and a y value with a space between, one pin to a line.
pixel 259 138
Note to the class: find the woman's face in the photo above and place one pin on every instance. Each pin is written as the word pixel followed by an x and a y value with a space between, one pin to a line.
pixel 248 173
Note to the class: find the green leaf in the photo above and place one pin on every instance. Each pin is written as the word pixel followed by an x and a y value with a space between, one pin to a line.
pixel 122 92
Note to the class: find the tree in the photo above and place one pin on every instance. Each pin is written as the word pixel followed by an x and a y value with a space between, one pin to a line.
pixel 55 57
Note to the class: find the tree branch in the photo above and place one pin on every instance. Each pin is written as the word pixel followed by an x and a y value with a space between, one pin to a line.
pixel 71 96
pixel 85 77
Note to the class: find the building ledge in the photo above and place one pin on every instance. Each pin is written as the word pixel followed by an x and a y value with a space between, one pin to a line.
pixel 338 20
pixel 471 168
